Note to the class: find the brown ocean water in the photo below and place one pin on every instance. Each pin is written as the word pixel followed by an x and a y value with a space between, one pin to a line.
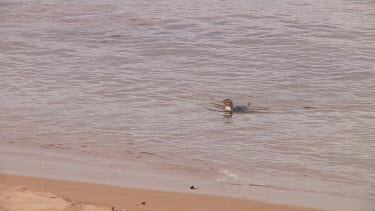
pixel 132 80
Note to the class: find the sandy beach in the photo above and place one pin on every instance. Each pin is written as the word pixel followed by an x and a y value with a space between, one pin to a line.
pixel 31 193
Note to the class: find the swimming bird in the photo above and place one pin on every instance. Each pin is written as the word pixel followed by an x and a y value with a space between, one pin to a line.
pixel 229 108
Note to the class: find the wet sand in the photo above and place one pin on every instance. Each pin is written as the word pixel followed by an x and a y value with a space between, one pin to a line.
pixel 31 193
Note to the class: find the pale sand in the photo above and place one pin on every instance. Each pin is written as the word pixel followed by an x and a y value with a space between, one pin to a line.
pixel 19 193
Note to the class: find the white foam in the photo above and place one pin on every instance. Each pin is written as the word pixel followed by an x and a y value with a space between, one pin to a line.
pixel 228 176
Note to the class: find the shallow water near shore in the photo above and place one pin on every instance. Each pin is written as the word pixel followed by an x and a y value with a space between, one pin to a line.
pixel 131 82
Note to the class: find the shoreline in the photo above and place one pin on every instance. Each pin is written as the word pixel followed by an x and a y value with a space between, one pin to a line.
pixel 53 194
pixel 37 163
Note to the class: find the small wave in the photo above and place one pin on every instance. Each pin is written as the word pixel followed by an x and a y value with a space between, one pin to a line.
pixel 228 176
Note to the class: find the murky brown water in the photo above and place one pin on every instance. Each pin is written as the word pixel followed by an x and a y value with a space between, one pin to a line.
pixel 132 80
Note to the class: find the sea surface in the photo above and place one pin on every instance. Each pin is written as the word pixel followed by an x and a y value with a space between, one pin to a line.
pixel 133 82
